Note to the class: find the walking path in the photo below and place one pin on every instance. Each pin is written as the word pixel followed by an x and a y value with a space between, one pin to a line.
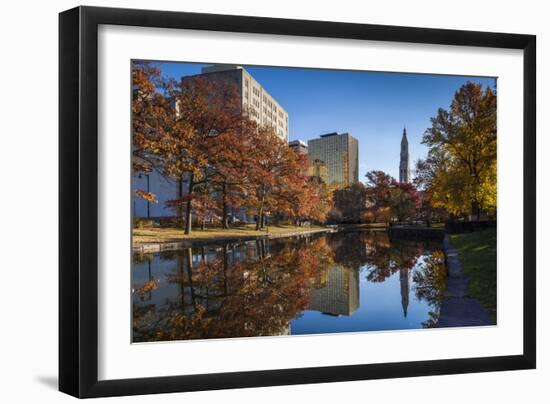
pixel 457 310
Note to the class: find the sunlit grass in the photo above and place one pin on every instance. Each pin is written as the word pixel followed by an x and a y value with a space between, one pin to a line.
pixel 165 234
pixel 477 253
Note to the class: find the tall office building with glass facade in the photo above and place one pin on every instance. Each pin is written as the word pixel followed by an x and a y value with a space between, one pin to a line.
pixel 340 153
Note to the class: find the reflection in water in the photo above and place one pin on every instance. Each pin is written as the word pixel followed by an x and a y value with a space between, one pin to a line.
pixel 353 281
pixel 339 294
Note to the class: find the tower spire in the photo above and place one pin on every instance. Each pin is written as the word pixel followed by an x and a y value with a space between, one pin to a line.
pixel 404 280
pixel 404 167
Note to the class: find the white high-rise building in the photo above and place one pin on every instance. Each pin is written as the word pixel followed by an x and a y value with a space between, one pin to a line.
pixel 263 108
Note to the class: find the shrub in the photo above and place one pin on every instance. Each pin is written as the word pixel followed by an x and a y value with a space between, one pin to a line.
pixel 141 222
pixel 172 221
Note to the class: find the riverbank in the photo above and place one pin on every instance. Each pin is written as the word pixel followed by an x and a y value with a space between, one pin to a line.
pixel 478 255
pixel 154 239
pixel 414 232
pixel 462 303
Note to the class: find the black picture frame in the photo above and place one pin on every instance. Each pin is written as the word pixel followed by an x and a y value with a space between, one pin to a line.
pixel 78 196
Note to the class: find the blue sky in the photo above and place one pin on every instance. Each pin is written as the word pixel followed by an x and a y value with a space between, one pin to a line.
pixel 372 106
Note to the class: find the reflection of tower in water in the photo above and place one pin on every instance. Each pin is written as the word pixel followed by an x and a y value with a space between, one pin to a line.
pixel 405 280
pixel 339 294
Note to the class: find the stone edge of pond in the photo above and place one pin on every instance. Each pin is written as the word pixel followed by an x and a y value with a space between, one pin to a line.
pixel 458 310
pixel 178 245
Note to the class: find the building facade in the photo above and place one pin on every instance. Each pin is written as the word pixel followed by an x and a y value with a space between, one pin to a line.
pixel 318 170
pixel 298 146
pixel 262 107
pixel 340 153
pixel 404 166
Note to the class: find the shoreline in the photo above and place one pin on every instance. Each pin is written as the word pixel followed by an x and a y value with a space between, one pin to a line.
pixel 458 310
pixel 168 245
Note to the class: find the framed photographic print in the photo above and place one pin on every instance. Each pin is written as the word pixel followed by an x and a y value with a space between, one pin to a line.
pixel 251 201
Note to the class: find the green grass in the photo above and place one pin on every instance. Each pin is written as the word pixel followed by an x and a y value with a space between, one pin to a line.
pixel 477 253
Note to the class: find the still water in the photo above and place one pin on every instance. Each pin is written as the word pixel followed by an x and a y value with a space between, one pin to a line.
pixel 340 282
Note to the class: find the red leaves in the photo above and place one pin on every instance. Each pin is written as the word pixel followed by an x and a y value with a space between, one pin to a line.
pixel 148 196
pixel 195 130
pixel 204 206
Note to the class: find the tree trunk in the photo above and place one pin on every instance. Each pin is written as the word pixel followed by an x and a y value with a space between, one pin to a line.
pixel 259 219
pixel 190 275
pixel 225 218
pixel 179 209
pixel 225 265
pixel 189 207
pixel 180 266
pixel 475 210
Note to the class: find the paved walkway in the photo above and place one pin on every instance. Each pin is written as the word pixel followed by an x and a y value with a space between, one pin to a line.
pixel 457 310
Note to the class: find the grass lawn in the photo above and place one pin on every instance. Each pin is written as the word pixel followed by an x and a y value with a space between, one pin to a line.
pixel 162 234
pixel 477 253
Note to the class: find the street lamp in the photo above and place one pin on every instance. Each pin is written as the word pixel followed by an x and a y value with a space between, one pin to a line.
pixel 148 191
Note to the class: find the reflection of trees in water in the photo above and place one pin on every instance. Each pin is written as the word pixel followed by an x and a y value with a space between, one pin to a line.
pixel 221 296
pixel 387 257
pixel 431 280
pixel 257 288
pixel 374 250
pixel 432 320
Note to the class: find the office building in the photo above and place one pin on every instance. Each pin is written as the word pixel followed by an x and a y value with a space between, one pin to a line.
pixel 298 146
pixel 340 153
pixel 263 108
pixel 256 100
pixel 318 170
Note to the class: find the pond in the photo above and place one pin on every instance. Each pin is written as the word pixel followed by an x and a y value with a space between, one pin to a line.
pixel 338 282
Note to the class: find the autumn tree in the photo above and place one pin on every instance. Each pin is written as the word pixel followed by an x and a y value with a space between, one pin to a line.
pixel 351 202
pixel 205 109
pixel 320 200
pixel 151 119
pixel 195 133
pixel 404 201
pixel 378 194
pixel 460 170
pixel 232 166
pixel 279 175
pixel 388 198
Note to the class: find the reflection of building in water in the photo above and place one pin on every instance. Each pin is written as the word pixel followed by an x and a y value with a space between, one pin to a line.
pixel 405 280
pixel 340 293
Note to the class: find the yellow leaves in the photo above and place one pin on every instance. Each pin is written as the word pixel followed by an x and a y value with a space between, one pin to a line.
pixel 460 171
